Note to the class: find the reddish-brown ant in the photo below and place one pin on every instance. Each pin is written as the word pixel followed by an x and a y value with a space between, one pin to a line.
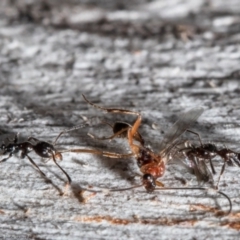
pixel 41 148
pixel 151 164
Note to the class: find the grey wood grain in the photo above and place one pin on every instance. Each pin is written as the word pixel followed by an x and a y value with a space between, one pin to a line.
pixel 160 58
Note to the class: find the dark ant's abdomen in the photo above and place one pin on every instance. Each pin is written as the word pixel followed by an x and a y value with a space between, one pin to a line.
pixel 44 149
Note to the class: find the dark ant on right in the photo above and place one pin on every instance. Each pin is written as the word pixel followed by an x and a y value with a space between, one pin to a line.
pixel 196 158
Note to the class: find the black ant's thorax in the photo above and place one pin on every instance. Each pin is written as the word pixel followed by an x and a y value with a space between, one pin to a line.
pixel 16 147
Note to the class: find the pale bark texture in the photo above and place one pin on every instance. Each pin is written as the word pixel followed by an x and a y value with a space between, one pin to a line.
pixel 160 58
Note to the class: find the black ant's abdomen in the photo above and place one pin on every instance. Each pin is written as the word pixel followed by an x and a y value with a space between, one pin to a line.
pixel 44 149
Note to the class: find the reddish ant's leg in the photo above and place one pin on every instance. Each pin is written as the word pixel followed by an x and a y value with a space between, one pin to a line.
pixel 131 133
pixel 103 153
pixel 109 138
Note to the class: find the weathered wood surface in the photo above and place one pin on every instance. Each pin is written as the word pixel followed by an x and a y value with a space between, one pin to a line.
pixel 119 53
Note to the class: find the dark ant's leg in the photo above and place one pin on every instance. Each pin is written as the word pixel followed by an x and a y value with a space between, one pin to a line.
pixel 15 139
pixel 212 167
pixel 200 140
pixel 35 165
pixel 5 159
pixel 221 173
pixel 69 179
pixel 198 135
pixel 34 139
pixel 237 159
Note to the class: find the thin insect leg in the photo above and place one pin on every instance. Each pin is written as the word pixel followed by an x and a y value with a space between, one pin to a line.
pixel 221 173
pixel 15 139
pixel 5 159
pixel 118 133
pixel 69 130
pixel 111 110
pixel 229 201
pixel 103 153
pixel 198 135
pixel 200 140
pixel 107 123
pixel 108 138
pixel 131 133
pixel 159 184
pixel 212 167
pixel 35 165
pixel 34 139
pixel 68 177
pixel 196 168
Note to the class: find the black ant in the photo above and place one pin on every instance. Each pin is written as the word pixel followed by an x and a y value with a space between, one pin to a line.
pixel 151 164
pixel 196 157
pixel 41 148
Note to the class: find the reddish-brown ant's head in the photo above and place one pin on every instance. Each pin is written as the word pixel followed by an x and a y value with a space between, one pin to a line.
pixel 149 182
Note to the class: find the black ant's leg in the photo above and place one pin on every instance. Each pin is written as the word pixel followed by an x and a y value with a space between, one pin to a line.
pixel 198 135
pixel 196 168
pixel 212 167
pixel 33 138
pixel 236 159
pixel 5 159
pixel 68 177
pixel 221 173
pixel 14 140
pixel 200 140
pixel 35 165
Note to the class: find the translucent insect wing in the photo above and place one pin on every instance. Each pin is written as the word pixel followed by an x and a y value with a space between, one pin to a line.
pixel 179 127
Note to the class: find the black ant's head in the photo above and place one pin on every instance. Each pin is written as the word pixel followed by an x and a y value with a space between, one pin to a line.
pixel 149 182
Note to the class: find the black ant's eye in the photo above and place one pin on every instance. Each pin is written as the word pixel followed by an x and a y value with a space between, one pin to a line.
pixel 3 147
pixel 149 182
